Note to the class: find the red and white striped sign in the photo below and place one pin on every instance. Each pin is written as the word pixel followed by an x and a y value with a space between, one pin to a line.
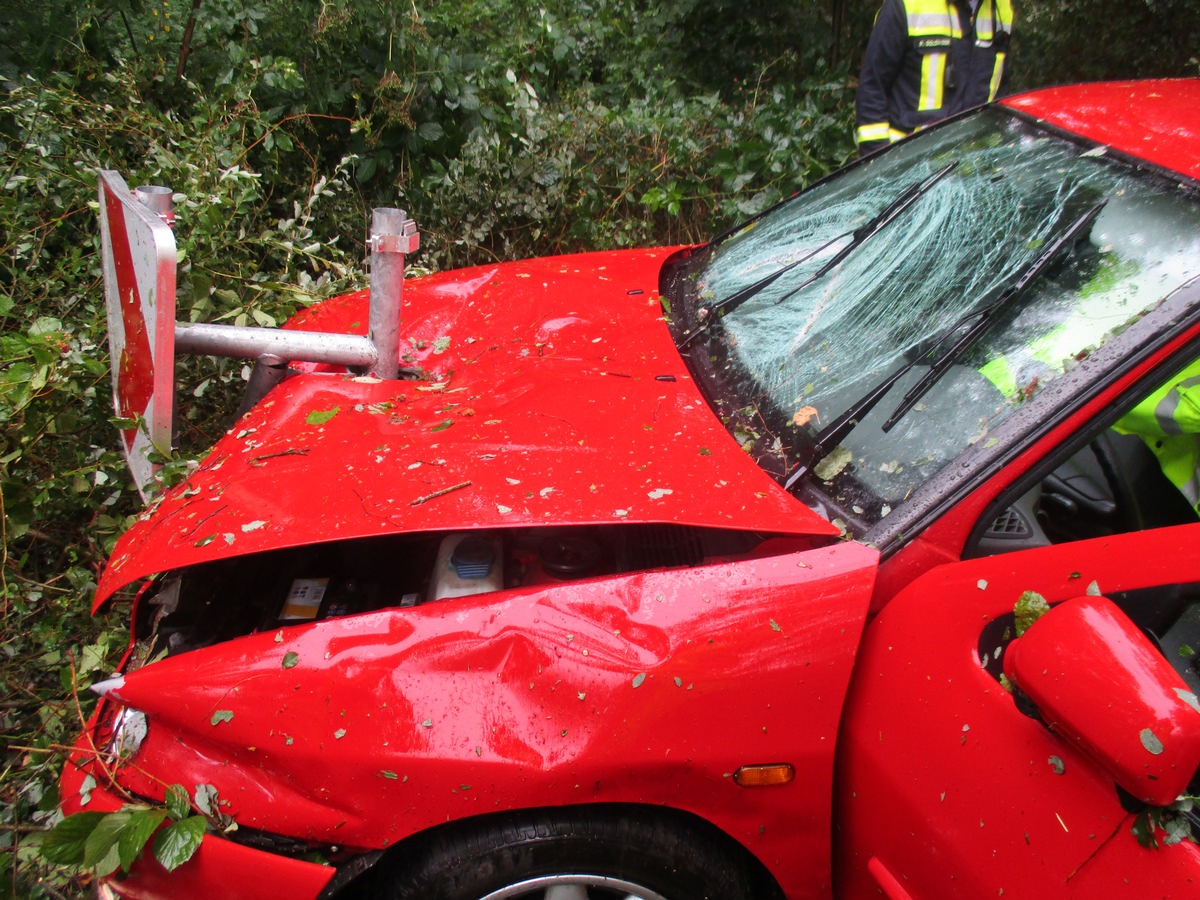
pixel 138 254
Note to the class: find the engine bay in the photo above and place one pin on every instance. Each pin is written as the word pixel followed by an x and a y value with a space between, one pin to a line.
pixel 215 602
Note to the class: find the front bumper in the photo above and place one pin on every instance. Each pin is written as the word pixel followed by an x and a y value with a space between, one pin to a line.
pixel 219 868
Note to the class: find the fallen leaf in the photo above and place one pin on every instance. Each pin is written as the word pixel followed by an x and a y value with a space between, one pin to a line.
pixel 321 416
pixel 1189 698
pixel 1030 607
pixel 1150 741
pixel 804 415
pixel 833 464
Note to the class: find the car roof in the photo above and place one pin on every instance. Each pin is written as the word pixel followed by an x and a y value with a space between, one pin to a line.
pixel 1158 121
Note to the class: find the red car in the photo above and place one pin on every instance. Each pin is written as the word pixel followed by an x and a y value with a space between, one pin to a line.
pixel 699 572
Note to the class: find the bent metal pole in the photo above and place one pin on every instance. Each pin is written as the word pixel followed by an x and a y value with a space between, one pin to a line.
pixel 393 235
pixel 139 293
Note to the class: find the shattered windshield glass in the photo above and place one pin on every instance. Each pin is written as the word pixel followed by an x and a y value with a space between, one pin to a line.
pixel 785 343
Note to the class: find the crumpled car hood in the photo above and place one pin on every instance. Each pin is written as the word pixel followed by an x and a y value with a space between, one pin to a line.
pixel 555 396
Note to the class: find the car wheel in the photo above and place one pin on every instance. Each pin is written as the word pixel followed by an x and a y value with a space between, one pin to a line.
pixel 567 855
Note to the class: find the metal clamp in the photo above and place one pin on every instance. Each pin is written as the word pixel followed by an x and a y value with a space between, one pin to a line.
pixel 393 232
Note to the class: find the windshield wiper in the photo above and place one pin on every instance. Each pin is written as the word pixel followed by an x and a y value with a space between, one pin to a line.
pixel 858 237
pixel 987 315
pixel 837 430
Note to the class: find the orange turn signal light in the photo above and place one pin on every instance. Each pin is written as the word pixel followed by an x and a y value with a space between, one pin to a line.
pixel 764 775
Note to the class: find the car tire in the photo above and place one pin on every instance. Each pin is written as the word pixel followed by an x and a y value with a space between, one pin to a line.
pixel 570 854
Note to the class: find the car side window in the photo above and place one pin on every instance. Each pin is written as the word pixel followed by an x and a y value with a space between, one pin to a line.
pixel 1142 473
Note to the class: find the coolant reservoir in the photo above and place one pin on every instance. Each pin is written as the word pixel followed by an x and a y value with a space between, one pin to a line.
pixel 467 563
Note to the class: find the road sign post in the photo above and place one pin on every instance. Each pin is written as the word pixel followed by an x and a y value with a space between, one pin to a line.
pixel 138 254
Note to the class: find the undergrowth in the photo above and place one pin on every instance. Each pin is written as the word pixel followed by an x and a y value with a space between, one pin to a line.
pixel 275 164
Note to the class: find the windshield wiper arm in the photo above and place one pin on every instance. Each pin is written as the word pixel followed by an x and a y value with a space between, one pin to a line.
pixel 857 238
pixel 987 315
pixel 835 432
pixel 868 230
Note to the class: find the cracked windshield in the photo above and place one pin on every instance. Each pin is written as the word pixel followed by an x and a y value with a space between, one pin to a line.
pixel 869 331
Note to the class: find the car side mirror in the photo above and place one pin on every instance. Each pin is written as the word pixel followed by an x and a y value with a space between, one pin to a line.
pixel 1098 682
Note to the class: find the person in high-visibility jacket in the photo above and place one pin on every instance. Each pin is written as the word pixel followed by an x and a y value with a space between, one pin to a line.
pixel 928 59
pixel 1169 422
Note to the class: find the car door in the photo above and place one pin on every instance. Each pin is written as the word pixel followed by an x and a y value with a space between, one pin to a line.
pixel 947 786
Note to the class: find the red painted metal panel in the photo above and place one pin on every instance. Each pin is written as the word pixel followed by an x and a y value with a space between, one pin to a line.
pixel 1101 684
pixel 559 399
pixel 1158 121
pixel 956 792
pixel 651 688
pixel 221 868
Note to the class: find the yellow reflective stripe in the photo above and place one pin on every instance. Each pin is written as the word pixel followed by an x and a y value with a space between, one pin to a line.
pixel 987 21
pixel 1179 411
pixel 923 27
pixel 985 28
pixel 933 76
pixel 1004 12
pixel 878 131
pixel 932 18
pixel 873 131
pixel 926 7
pixel 991 18
pixel 1054 348
pixel 1000 373
pixel 1168 421
pixel 997 74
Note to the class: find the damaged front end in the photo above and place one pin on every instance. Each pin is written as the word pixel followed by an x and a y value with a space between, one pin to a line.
pixel 539 574
pixel 344 697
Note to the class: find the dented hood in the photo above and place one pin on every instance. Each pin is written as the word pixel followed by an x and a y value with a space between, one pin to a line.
pixel 553 395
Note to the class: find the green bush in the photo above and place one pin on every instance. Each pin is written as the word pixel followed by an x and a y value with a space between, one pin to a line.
pixel 506 129
pixel 579 174
pixel 66 496
pixel 275 162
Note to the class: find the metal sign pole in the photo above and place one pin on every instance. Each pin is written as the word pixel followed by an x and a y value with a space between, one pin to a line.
pixel 393 235
pixel 138 258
